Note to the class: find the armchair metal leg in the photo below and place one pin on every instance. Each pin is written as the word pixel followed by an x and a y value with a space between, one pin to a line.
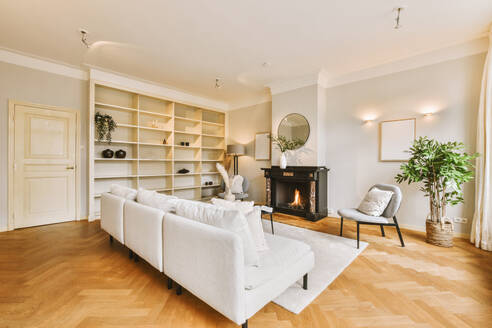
pixel 271 222
pixel 357 235
pixel 135 257
pixel 169 283
pixel 130 254
pixel 179 290
pixel 110 239
pixel 399 232
pixel 245 324
pixel 305 282
pixel 382 230
pixel 341 225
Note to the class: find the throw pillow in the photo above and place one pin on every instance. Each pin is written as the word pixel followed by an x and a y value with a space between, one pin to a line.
pixel 124 192
pixel 236 183
pixel 253 216
pixel 375 202
pixel 231 220
pixel 156 200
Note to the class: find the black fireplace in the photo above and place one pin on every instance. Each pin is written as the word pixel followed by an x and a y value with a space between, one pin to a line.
pixel 298 190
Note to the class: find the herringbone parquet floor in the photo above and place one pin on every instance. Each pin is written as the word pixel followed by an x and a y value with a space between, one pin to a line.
pixel 68 275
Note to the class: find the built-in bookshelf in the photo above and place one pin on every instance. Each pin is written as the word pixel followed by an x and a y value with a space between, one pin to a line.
pixel 160 137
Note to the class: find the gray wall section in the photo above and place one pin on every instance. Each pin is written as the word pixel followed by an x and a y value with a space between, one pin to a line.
pixel 25 84
pixel 244 123
pixel 451 87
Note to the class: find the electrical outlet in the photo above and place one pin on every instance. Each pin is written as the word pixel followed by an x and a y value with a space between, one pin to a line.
pixel 460 220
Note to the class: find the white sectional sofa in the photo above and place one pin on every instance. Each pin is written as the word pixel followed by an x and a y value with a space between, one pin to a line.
pixel 207 260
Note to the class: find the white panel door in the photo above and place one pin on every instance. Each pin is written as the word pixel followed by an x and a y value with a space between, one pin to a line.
pixel 44 166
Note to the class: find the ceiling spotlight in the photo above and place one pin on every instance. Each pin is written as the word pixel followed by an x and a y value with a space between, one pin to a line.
pixel 398 11
pixel 218 83
pixel 84 33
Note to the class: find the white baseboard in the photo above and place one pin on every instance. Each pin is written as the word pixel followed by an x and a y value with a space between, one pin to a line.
pixel 3 229
pixel 422 229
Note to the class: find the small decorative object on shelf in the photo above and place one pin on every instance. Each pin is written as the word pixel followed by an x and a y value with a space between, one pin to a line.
pixel 187 144
pixel 184 171
pixel 443 167
pixel 164 141
pixel 105 125
pixel 107 153
pixel 120 154
pixel 182 143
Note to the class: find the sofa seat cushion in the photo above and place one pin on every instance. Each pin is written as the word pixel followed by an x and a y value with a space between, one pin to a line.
pixel 356 215
pixel 282 253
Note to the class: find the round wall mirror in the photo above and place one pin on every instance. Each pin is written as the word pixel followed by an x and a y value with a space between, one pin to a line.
pixel 294 126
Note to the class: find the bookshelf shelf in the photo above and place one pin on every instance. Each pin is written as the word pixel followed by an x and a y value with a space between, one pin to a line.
pixel 150 130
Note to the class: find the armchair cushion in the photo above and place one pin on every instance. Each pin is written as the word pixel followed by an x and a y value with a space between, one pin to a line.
pixel 375 202
pixel 356 215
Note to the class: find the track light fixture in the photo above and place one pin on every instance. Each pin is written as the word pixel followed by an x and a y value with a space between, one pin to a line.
pixel 84 33
pixel 398 11
pixel 218 83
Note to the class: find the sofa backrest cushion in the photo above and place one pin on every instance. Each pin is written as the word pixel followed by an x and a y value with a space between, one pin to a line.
pixel 124 192
pixel 156 200
pixel 231 220
pixel 253 217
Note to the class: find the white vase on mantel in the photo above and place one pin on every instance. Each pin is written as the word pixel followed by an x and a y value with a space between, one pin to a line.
pixel 283 161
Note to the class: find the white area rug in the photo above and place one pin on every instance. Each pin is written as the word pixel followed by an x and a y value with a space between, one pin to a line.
pixel 332 254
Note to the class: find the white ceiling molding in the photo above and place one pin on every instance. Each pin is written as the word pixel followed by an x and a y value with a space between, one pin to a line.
pixel 284 86
pixel 41 64
pixel 250 102
pixel 155 89
pixel 452 52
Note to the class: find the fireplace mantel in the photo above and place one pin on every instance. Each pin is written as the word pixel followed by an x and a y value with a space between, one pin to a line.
pixel 310 181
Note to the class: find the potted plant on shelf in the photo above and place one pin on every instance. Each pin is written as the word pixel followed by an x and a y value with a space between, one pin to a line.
pixel 105 125
pixel 285 144
pixel 443 168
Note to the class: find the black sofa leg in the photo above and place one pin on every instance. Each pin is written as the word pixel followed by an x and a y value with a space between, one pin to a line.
pixel 179 290
pixel 399 232
pixel 341 226
pixel 110 239
pixel 245 324
pixel 382 230
pixel 271 222
pixel 305 282
pixel 357 235
pixel 130 254
pixel 169 283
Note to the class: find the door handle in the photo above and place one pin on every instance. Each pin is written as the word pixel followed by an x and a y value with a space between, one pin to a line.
pixel 70 167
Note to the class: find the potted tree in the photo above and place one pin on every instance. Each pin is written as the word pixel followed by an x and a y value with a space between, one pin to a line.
pixel 285 144
pixel 443 168
pixel 105 125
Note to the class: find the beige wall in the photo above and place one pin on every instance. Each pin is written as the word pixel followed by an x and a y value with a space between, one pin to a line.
pixel 303 101
pixel 451 87
pixel 244 123
pixel 25 84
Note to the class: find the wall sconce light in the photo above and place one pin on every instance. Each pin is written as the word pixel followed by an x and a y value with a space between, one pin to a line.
pixel 367 122
pixel 428 115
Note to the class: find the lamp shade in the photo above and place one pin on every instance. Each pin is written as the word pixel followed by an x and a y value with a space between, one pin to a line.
pixel 237 150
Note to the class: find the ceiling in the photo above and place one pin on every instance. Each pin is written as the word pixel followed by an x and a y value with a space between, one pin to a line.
pixel 187 44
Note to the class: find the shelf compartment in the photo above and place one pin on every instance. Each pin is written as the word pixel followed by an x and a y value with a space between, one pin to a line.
pixel 212 130
pixel 117 99
pixel 187 187
pixel 155 105
pixel 212 135
pixel 212 117
pixel 155 136
pixel 186 119
pixel 130 176
pixel 189 112
pixel 152 168
pixel 102 106
pixel 156 182
pixel 155 152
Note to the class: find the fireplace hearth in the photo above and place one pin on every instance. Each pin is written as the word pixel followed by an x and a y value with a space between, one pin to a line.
pixel 298 190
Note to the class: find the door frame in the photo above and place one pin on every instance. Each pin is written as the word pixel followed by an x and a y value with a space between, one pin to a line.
pixel 11 149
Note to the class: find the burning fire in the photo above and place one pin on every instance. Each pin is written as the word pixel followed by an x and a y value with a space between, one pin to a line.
pixel 297 200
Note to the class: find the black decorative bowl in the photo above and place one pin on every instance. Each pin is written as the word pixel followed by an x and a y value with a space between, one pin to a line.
pixel 120 154
pixel 107 153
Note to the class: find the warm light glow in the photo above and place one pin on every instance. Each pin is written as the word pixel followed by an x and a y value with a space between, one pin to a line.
pixel 297 200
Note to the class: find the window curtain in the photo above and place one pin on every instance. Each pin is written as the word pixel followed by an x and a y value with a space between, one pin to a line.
pixel 481 230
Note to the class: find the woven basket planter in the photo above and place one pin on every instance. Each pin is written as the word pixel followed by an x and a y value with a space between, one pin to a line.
pixel 438 236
